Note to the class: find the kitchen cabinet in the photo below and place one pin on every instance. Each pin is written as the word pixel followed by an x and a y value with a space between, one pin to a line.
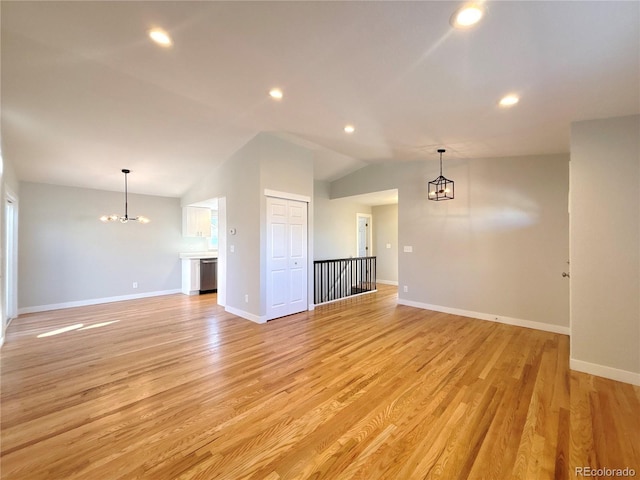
pixel 199 272
pixel 191 276
pixel 196 222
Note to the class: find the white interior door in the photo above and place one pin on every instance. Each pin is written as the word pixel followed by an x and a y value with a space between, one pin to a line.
pixel 286 257
pixel 364 234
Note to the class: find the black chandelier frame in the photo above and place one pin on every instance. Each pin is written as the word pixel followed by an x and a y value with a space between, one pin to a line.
pixel 441 188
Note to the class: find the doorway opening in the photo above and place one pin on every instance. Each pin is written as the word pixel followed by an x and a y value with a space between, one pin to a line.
pixel 212 237
pixel 363 236
pixel 11 259
pixel 378 230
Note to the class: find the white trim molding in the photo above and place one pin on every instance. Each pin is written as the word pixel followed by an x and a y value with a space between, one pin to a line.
pixel 387 282
pixel 286 195
pixel 246 315
pixel 94 301
pixel 603 371
pixel 547 327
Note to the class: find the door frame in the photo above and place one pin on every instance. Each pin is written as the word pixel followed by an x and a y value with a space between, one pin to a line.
pixel 222 251
pixel 309 246
pixel 10 254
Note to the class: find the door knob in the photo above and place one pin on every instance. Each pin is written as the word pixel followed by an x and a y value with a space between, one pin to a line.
pixel 565 274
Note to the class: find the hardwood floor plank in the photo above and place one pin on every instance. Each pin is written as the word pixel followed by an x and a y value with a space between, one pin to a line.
pixel 175 387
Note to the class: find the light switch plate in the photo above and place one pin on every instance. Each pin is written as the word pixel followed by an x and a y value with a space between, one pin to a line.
pixel 408 249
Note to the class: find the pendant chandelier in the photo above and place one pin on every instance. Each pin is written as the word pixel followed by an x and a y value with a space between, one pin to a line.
pixel 441 188
pixel 125 218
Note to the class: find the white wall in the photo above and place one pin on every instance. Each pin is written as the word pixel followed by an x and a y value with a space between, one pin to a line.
pixel 265 162
pixel 385 232
pixel 287 168
pixel 241 177
pixel 238 180
pixel 605 247
pixel 335 232
pixel 67 256
pixel 496 251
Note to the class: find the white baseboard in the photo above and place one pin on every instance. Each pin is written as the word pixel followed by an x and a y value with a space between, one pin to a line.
pixel 246 315
pixel 1 341
pixel 547 327
pixel 95 301
pixel 387 282
pixel 603 371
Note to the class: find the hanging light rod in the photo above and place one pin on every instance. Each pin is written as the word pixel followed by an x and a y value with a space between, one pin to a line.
pixel 441 188
pixel 125 218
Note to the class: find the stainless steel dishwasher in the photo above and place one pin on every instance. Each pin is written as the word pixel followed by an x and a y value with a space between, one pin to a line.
pixel 208 275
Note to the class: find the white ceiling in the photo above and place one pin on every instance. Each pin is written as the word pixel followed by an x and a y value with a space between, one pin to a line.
pixel 86 93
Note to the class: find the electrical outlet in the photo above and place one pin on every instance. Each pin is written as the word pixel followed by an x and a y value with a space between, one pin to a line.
pixel 405 288
pixel 388 245
pixel 408 249
pixel 232 248
pixel 135 284
pixel 246 298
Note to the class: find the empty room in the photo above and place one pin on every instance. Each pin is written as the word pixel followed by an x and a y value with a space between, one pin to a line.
pixel 320 240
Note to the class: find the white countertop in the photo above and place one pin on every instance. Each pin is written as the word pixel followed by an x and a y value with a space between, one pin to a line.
pixel 197 255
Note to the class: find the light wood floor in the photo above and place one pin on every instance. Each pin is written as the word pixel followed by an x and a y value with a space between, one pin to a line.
pixel 363 389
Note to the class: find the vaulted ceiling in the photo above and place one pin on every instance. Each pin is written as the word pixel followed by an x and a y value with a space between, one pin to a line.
pixel 85 92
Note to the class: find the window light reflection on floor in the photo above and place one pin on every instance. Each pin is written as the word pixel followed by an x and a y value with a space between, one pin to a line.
pixel 77 326
pixel 61 330
pixel 96 325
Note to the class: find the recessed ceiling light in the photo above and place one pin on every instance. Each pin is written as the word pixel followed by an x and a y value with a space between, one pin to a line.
pixel 467 15
pixel 276 93
pixel 509 100
pixel 349 129
pixel 160 37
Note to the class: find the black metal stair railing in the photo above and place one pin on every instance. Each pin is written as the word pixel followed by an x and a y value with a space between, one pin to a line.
pixel 343 277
